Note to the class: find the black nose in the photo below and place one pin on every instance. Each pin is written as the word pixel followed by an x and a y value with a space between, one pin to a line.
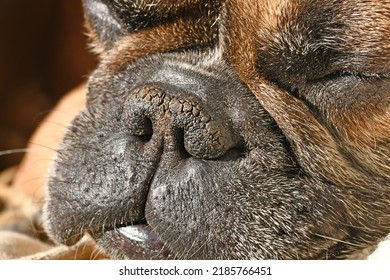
pixel 179 122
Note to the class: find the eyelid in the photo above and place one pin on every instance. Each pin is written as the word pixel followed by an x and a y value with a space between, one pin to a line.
pixel 366 74
pixel 350 73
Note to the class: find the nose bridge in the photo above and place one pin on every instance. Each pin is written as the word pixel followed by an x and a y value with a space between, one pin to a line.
pixel 170 114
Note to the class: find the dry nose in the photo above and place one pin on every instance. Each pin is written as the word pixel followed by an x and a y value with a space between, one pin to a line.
pixel 153 113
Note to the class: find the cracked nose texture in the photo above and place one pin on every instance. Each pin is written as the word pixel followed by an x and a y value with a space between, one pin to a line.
pixel 181 120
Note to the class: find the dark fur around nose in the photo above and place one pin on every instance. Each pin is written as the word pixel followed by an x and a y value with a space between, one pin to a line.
pixel 179 123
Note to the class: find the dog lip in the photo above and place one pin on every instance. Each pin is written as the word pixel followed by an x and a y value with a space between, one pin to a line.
pixel 137 242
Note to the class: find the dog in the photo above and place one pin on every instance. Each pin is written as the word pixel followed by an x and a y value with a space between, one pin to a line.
pixel 229 129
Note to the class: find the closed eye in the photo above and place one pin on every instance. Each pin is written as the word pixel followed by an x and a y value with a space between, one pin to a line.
pixel 365 76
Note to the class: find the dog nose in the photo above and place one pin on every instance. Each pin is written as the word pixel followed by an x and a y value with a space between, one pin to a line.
pixel 179 122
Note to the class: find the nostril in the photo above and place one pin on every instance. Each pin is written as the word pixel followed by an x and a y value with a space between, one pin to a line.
pixel 180 144
pixel 140 126
pixel 147 132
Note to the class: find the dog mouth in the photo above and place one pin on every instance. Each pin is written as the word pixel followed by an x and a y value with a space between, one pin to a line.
pixel 136 241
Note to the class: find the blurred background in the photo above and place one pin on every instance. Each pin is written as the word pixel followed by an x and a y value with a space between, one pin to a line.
pixel 43 55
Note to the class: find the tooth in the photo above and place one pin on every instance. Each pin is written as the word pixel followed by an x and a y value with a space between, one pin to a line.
pixel 133 233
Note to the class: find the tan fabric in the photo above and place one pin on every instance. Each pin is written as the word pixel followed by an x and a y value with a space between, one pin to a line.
pixel 15 245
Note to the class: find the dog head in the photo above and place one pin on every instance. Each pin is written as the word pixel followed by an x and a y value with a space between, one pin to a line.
pixel 230 129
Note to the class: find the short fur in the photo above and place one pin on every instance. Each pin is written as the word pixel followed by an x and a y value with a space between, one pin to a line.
pixel 230 129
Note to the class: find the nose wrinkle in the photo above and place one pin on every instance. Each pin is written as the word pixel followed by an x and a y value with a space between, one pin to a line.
pixel 204 135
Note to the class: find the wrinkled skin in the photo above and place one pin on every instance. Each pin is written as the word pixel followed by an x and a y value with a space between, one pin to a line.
pixel 232 148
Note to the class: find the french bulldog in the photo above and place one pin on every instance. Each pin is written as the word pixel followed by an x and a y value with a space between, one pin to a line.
pixel 229 129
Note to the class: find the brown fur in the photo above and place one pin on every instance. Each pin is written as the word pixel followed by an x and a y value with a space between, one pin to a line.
pixel 354 132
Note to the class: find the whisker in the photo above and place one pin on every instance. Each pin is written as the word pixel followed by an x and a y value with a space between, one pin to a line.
pixel 15 151
pixel 46 113
pixel 339 240
pixel 42 146
pixel 55 123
